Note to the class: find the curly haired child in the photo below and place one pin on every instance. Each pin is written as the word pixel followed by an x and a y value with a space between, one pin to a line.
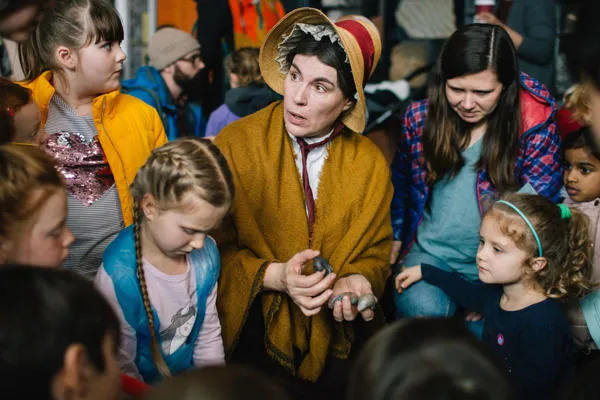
pixel 531 252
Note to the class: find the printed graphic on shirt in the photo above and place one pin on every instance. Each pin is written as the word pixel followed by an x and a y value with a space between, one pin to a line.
pixel 82 164
pixel 180 329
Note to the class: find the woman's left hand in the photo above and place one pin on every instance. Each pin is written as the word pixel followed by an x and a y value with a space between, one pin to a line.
pixel 344 310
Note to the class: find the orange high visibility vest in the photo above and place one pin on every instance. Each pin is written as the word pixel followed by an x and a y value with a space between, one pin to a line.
pixel 252 19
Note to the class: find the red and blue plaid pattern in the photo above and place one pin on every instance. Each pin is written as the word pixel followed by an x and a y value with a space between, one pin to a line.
pixel 537 164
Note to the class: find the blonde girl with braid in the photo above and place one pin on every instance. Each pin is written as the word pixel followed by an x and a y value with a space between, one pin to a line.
pixel 531 253
pixel 161 273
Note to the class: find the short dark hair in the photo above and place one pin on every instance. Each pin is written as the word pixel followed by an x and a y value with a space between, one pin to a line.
pixel 43 312
pixel 425 359
pixel 581 139
pixel 583 46
pixel 328 53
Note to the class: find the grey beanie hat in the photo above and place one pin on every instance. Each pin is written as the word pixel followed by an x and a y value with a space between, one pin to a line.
pixel 168 45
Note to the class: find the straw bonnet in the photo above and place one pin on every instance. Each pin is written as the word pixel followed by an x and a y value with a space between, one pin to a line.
pixel 359 38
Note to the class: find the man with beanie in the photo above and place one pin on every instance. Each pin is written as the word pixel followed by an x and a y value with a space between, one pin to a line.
pixel 174 61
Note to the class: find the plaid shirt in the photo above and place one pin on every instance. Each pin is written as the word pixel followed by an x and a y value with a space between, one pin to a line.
pixel 537 164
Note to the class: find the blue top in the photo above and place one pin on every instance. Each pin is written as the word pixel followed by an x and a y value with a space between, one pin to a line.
pixel 534 343
pixel 449 234
pixel 120 264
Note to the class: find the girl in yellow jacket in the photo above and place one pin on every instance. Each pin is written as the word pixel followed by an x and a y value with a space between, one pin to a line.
pixel 98 136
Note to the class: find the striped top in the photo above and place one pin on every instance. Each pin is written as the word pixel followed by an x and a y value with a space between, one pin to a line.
pixel 95 216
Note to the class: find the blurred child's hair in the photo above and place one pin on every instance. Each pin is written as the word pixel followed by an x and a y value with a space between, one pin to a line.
pixel 581 139
pixel 577 100
pixel 44 313
pixel 13 98
pixel 218 383
pixel 71 23
pixel 180 167
pixel 244 63
pixel 426 359
pixel 565 242
pixel 24 170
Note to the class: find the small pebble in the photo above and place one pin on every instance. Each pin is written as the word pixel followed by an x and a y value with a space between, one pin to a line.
pixel 321 264
pixel 366 301
pixel 339 297
pixel 362 303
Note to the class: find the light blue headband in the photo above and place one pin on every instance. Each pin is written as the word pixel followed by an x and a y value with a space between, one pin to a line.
pixel 529 224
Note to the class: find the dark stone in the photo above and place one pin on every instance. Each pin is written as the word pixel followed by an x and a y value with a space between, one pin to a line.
pixel 321 264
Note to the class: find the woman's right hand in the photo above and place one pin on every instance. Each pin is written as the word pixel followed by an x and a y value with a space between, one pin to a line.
pixel 309 292
pixel 407 277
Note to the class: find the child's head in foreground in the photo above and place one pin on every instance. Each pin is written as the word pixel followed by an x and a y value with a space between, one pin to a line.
pixel 426 359
pixel 227 382
pixel 58 337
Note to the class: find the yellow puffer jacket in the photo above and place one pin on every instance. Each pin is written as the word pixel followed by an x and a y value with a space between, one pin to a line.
pixel 128 130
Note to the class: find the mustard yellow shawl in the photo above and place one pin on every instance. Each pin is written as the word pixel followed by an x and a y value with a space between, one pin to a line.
pixel 269 223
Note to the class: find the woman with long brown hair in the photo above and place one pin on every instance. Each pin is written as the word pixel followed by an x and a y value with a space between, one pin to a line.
pixel 485 130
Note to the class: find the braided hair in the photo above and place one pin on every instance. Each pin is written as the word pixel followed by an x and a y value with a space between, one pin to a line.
pixel 186 165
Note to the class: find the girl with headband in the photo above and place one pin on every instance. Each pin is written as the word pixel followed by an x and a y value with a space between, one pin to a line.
pixel 531 253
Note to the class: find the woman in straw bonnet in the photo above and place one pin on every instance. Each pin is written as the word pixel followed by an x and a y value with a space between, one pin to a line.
pixel 307 184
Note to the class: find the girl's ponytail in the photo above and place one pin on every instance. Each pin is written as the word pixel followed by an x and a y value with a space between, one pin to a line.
pixel 574 281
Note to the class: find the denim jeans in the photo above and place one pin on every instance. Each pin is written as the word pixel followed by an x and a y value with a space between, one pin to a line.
pixel 422 299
